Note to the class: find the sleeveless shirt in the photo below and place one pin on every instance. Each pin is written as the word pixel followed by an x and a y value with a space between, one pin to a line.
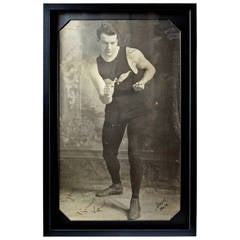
pixel 126 103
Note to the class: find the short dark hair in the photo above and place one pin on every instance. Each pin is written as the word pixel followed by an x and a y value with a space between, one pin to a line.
pixel 107 29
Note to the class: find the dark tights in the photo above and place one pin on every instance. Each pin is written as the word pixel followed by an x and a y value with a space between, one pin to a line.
pixel 112 137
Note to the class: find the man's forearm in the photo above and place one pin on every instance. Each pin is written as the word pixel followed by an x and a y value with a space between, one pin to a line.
pixel 148 75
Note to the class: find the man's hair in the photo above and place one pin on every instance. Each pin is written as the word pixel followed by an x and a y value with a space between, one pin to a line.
pixel 107 29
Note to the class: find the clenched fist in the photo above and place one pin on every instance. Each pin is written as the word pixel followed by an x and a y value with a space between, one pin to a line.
pixel 109 87
pixel 138 86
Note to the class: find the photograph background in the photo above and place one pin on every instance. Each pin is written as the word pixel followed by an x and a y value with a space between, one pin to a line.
pixel 21 179
pixel 82 113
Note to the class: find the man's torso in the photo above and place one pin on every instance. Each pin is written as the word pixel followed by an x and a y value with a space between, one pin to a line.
pixel 126 102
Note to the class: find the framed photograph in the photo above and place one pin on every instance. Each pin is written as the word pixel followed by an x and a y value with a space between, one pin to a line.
pixel 119 119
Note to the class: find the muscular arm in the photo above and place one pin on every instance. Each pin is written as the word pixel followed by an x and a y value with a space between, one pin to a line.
pixel 99 84
pixel 137 60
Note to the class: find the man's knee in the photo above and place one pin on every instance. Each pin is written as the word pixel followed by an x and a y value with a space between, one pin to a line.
pixel 135 155
pixel 109 154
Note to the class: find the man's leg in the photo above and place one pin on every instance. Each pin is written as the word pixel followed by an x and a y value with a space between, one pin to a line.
pixel 112 135
pixel 135 132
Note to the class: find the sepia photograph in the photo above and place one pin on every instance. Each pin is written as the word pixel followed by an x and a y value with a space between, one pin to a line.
pixel 119 119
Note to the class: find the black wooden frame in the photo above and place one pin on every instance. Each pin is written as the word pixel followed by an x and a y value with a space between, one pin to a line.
pixel 184 223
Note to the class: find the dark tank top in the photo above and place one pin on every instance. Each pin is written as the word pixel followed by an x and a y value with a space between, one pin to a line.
pixel 126 103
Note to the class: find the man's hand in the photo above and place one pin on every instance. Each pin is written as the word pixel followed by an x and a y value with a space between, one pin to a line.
pixel 138 86
pixel 109 87
pixel 108 91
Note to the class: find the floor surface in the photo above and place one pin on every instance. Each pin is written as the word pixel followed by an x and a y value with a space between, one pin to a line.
pixel 156 204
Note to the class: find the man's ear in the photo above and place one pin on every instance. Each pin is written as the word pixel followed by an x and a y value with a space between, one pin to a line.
pixel 118 40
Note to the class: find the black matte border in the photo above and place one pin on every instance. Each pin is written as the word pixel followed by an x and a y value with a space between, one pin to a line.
pixel 184 223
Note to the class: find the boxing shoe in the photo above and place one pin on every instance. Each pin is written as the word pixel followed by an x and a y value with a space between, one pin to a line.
pixel 134 211
pixel 114 189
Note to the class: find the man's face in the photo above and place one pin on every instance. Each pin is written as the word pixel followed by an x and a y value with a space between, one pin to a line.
pixel 108 44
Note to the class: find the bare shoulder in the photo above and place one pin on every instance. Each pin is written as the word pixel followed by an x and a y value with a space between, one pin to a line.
pixel 136 60
pixel 92 64
pixel 133 53
pixel 92 67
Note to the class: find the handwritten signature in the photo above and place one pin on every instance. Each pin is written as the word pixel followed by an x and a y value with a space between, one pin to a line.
pixel 91 208
pixel 69 196
pixel 161 205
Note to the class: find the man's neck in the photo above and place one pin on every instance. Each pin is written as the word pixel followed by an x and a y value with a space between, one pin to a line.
pixel 110 58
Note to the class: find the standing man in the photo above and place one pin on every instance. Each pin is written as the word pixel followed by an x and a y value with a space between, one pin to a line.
pixel 120 75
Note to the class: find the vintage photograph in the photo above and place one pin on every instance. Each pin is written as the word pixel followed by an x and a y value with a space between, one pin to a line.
pixel 119 119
